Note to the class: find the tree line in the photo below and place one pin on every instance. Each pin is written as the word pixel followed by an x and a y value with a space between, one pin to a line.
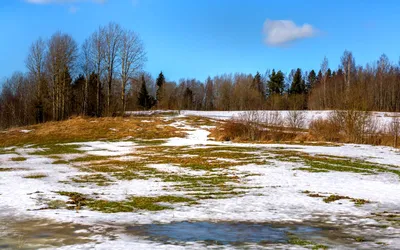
pixel 104 77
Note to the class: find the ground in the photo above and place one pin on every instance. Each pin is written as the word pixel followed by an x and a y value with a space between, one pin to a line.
pixel 179 188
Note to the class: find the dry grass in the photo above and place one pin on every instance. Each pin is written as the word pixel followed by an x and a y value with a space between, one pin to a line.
pixel 86 129
pixel 246 132
pixel 339 127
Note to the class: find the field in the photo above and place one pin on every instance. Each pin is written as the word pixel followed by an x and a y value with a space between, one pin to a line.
pixel 161 181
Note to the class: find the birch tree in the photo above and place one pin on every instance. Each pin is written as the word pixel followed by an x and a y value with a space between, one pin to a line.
pixel 35 62
pixel 96 54
pixel 112 35
pixel 61 59
pixel 132 58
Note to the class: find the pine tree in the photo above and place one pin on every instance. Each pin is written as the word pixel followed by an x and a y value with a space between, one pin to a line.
pixel 276 83
pixel 92 96
pixel 77 95
pixel 160 87
pixel 258 85
pixel 311 80
pixel 144 99
pixel 329 73
pixel 209 95
pixel 319 78
pixel 298 85
pixel 188 98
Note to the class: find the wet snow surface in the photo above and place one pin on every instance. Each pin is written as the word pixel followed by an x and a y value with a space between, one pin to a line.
pixel 275 194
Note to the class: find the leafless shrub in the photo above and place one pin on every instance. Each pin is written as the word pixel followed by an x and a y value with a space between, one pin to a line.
pixel 356 125
pixel 272 119
pixel 295 119
pixel 251 121
pixel 325 129
pixel 255 126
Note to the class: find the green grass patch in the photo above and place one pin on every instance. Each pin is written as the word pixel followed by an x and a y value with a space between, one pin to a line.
pixel 360 202
pixel 75 199
pixel 5 151
pixel 60 162
pixel 326 163
pixel 129 205
pixel 312 170
pixel 56 204
pixel 347 165
pixel 20 158
pixel 334 197
pixel 88 158
pixel 359 239
pixel 35 176
pixel 295 240
pixel 56 149
pixel 98 179
pixel 7 169
pixel 124 170
pixel 154 142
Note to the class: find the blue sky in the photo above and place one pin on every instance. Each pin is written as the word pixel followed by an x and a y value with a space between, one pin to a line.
pixel 197 38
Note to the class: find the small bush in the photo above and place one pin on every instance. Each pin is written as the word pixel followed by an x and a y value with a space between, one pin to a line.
pixel 295 119
pixel 325 130
pixel 348 126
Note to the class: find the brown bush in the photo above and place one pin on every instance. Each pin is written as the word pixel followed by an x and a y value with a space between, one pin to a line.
pixel 230 130
pixel 234 130
pixel 325 130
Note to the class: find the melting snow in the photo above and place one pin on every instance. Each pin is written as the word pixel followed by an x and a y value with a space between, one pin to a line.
pixel 279 196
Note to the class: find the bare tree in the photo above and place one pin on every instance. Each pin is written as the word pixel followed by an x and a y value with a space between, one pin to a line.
pixel 348 67
pixel 61 60
pixel 35 62
pixel 112 35
pixel 324 70
pixel 382 72
pixel 97 51
pixel 87 66
pixel 132 57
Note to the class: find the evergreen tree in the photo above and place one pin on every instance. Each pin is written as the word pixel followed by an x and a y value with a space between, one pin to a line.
pixel 298 85
pixel 144 99
pixel 188 98
pixel 160 87
pixel 258 85
pixel 209 95
pixel 92 96
pixel 329 73
pixel 77 95
pixel 311 80
pixel 276 83
pixel 319 78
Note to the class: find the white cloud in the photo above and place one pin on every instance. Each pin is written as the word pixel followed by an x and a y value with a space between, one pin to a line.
pixel 281 32
pixel 63 1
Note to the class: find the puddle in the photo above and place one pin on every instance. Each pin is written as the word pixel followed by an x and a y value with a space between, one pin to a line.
pixel 34 234
pixel 227 233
